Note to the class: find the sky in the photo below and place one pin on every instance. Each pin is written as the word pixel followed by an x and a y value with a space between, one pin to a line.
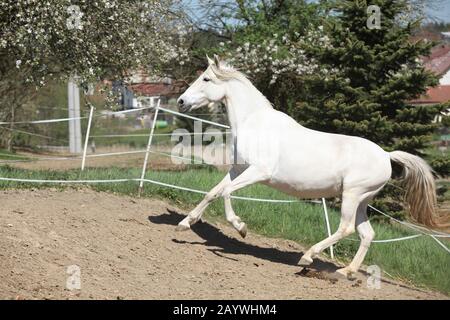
pixel 442 13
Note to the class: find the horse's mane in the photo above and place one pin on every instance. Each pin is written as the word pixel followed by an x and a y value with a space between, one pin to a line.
pixel 226 72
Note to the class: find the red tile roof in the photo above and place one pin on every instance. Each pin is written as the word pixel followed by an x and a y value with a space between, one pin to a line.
pixel 158 89
pixel 439 60
pixel 435 95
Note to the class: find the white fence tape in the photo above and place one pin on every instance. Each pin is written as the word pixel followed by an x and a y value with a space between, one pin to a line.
pixel 73 118
pixel 65 181
pixel 43 121
pixel 233 197
pixel 35 134
pixel 114 135
pixel 109 154
pixel 430 233
pixel 11 156
pixel 410 225
pixel 173 186
pixel 440 243
pixel 391 240
pixel 123 111
pixel 155 134
pixel 195 118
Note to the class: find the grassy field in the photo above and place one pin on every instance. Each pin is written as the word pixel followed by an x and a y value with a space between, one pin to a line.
pixel 6 155
pixel 420 261
pixel 140 141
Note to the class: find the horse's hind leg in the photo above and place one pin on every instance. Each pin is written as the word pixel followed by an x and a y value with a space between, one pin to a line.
pixel 366 234
pixel 350 203
pixel 232 218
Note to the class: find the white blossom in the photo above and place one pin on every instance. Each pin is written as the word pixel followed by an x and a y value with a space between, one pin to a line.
pixel 111 33
pixel 266 58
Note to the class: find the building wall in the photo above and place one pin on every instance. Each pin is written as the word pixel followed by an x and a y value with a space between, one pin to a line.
pixel 445 78
pixel 128 98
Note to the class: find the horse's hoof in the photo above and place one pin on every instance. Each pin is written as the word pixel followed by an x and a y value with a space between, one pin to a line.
pixel 243 230
pixel 305 261
pixel 346 273
pixel 182 227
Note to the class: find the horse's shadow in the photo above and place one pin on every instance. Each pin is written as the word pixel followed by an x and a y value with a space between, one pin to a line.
pixel 220 244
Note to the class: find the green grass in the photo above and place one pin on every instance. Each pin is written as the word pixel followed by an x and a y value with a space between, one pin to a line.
pixel 7 155
pixel 420 261
pixel 138 142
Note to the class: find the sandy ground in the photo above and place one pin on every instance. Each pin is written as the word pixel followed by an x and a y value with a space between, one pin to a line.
pixel 127 248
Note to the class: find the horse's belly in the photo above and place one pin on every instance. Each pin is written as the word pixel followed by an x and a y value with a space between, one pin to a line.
pixel 307 191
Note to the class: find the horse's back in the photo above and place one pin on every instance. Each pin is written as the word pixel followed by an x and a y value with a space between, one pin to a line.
pixel 310 163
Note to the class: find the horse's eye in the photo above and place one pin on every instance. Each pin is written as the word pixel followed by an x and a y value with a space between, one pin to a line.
pixel 206 79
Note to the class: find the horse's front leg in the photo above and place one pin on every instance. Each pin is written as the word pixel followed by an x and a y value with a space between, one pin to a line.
pixel 250 176
pixel 196 214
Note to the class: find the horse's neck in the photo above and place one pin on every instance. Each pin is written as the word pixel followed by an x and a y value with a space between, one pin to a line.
pixel 242 101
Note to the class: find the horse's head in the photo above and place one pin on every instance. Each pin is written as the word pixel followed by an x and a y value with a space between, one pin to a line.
pixel 208 88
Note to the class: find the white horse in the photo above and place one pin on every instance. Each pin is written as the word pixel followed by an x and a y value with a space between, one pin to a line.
pixel 303 162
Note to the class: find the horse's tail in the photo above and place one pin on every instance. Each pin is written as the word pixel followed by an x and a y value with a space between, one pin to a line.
pixel 420 187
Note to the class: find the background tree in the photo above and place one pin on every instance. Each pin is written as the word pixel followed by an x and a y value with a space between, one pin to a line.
pixel 15 94
pixel 95 40
pixel 346 77
pixel 373 74
pixel 267 42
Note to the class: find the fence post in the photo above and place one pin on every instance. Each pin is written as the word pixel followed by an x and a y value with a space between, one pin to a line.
pixel 325 211
pixel 149 144
pixel 86 139
pixel 73 95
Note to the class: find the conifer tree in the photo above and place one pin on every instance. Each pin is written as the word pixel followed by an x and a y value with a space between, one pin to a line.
pixel 373 73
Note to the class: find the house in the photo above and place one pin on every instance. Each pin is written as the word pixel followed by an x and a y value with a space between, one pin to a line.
pixel 437 62
pixel 446 36
pixel 126 96
pixel 165 89
pixel 143 90
pixel 434 95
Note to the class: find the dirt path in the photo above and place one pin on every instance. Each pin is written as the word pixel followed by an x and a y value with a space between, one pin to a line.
pixel 127 248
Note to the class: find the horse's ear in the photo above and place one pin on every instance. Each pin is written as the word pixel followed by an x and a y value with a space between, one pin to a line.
pixel 210 61
pixel 217 60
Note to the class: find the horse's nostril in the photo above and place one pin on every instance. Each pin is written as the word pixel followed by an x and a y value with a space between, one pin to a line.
pixel 180 102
